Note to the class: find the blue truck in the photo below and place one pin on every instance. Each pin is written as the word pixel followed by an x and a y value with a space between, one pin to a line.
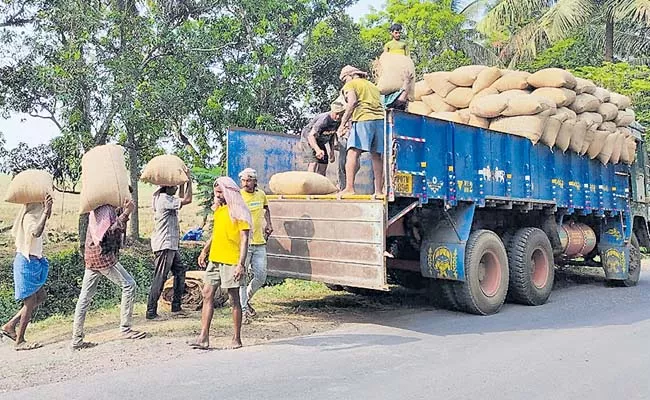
pixel 473 215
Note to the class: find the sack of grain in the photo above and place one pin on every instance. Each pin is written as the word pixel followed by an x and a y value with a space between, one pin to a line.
pixel 447 116
pixel 601 94
pixel 570 114
pixel 578 136
pixel 606 152
pixel 609 126
pixel 524 105
pixel 592 119
pixel 597 144
pixel 584 86
pixel 585 103
pixel 464 115
pixel 421 90
pixel 551 130
pixel 390 71
pixel 512 80
pixel 589 137
pixel 29 186
pixel 485 92
pixel 104 178
pixel 552 77
pixel 510 94
pixel 625 131
pixel 621 101
pixel 625 117
pixel 301 182
pixel 528 126
pixel 561 96
pixel 460 97
pixel 489 106
pixel 625 153
pixel 439 83
pixel 563 139
pixel 479 122
pixel 419 108
pixel 631 148
pixel 165 170
pixel 486 78
pixel 437 103
pixel 618 147
pixel 609 111
pixel 465 76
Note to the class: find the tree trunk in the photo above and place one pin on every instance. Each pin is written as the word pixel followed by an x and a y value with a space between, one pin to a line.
pixel 134 172
pixel 609 39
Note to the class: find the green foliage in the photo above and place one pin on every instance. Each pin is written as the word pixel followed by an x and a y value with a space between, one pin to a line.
pixel 569 53
pixel 205 178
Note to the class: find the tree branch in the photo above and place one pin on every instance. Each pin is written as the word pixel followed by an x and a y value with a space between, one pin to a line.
pixel 65 190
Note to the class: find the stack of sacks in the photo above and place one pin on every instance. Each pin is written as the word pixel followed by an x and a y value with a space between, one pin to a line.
pixel 550 106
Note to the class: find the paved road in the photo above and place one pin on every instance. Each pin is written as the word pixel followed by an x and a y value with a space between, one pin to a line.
pixel 589 342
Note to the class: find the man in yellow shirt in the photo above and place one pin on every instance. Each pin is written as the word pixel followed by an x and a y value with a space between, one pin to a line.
pixel 226 252
pixel 396 46
pixel 363 125
pixel 258 205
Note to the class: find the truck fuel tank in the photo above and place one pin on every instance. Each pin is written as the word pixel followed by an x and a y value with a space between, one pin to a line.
pixel 577 239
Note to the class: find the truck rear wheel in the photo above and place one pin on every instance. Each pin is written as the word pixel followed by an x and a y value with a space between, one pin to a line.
pixel 443 294
pixel 634 269
pixel 486 274
pixel 532 272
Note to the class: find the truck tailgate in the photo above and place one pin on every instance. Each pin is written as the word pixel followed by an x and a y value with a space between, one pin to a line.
pixel 328 240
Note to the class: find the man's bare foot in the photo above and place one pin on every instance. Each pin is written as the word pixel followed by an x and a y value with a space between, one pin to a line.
pixel 8 332
pixel 200 344
pixel 236 344
pixel 346 192
pixel 26 346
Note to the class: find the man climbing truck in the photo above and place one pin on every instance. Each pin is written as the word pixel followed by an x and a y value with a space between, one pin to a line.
pixel 474 214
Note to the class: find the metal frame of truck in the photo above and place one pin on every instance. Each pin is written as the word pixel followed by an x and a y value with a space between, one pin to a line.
pixel 472 214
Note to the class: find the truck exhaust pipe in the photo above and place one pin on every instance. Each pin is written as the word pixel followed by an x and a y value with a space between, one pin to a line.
pixel 577 239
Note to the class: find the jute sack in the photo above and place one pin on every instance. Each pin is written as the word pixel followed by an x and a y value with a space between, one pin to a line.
pixel 597 144
pixel 561 96
pixel 104 178
pixel 589 137
pixel 570 114
pixel 390 70
pixel 551 130
pixel 165 170
pixel 601 94
pixel 606 152
pixel 479 122
pixel 563 139
pixel 29 186
pixel 483 93
pixel 609 111
pixel 609 126
pixel 418 107
pixel 625 153
pixel 621 101
pixel 524 105
pixel 624 117
pixel 421 89
pixel 584 86
pixel 437 103
pixel 447 116
pixel 489 106
pixel 618 147
pixel 528 126
pixel 552 77
pixel 466 76
pixel 464 115
pixel 585 103
pixel 510 94
pixel 439 83
pixel 593 120
pixel 486 78
pixel 460 97
pixel 578 136
pixel 624 130
pixel 301 182
pixel 512 80
pixel 631 148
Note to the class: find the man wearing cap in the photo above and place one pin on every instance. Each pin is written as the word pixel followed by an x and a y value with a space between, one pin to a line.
pixel 363 124
pixel 258 205
pixel 318 138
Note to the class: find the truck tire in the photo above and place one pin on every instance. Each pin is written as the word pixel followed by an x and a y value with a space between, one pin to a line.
pixel 443 296
pixel 532 271
pixel 634 269
pixel 486 274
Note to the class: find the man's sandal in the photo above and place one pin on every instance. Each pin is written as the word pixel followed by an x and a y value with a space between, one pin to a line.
pixel 25 346
pixel 133 335
pixel 84 345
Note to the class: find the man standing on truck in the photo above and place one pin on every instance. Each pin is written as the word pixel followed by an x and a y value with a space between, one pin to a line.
pixel 225 254
pixel 258 205
pixel 396 46
pixel 363 124
pixel 164 243
pixel 318 138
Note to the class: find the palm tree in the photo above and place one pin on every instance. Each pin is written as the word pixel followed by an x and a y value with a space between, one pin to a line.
pixel 619 26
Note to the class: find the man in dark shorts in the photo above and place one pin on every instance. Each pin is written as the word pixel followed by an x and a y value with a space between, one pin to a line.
pixel 318 134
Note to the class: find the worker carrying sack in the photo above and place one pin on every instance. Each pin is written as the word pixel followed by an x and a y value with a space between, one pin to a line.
pixel 165 170
pixel 301 183
pixel 104 178
pixel 390 70
pixel 29 186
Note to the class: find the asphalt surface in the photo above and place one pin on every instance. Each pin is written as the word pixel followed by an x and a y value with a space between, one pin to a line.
pixel 589 342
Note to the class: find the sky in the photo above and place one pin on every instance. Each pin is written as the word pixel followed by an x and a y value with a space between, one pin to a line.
pixel 35 131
